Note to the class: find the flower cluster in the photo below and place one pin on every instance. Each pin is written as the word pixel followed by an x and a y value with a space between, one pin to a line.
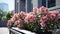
pixel 41 19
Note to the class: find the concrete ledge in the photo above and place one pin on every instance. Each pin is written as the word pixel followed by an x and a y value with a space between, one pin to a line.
pixel 55 8
pixel 20 31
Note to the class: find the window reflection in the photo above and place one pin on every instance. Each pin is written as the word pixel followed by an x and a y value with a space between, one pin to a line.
pixel 51 3
pixel 48 3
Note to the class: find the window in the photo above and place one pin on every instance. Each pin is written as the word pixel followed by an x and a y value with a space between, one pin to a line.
pixel 22 5
pixel 44 3
pixel 51 3
pixel 48 3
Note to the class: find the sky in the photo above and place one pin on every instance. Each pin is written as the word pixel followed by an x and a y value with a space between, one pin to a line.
pixel 9 2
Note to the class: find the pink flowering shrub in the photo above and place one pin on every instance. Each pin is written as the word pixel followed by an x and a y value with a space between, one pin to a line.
pixel 41 19
pixel 30 18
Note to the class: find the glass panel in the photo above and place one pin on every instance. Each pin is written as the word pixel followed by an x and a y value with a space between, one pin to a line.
pixel 44 3
pixel 51 3
pixel 22 5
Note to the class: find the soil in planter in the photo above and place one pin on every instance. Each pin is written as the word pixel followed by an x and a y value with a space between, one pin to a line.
pixel 43 32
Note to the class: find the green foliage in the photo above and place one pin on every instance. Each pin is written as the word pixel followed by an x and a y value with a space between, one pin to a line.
pixel 9 15
pixel 1 14
pixel 4 18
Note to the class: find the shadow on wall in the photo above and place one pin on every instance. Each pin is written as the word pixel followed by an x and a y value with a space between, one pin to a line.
pixel 3 23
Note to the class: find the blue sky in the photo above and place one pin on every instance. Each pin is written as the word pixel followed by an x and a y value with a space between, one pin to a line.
pixel 9 2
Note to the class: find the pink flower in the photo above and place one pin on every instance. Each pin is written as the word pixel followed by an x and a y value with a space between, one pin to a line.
pixel 43 24
pixel 22 14
pixel 13 19
pixel 44 18
pixel 46 10
pixel 20 26
pixel 58 19
pixel 9 22
pixel 35 10
pixel 15 16
pixel 30 18
pixel 53 14
pixel 18 22
pixel 38 11
pixel 31 13
pixel 42 10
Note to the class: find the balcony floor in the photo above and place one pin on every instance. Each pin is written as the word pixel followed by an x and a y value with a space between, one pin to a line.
pixel 4 30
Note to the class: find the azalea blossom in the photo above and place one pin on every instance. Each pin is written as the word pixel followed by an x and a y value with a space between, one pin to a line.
pixel 42 10
pixel 20 26
pixel 9 22
pixel 36 20
pixel 59 20
pixel 52 14
pixel 30 18
pixel 18 22
pixel 22 14
pixel 43 24
pixel 15 16
pixel 13 19
pixel 35 10
pixel 44 18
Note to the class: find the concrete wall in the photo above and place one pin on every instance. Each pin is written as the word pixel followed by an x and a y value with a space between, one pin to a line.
pixel 57 2
pixel 35 3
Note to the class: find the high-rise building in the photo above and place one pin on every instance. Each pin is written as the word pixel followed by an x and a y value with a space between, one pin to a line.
pixel 27 5
pixel 4 7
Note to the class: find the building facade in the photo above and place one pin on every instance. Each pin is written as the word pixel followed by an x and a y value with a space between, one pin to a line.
pixel 27 5
pixel 4 7
pixel 23 5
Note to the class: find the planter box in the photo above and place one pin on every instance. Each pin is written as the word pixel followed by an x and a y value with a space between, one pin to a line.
pixel 43 32
pixel 20 31
pixel 17 30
